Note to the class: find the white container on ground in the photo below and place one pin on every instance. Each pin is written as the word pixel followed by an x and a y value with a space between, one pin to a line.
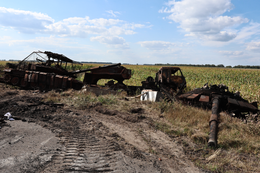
pixel 150 95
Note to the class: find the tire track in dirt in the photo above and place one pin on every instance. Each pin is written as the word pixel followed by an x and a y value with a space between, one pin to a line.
pixel 89 154
pixel 84 152
pixel 148 140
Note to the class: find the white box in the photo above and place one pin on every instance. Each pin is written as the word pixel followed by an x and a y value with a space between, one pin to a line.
pixel 149 95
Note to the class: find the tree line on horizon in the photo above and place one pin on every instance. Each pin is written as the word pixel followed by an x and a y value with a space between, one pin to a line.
pixel 167 64
pixel 211 65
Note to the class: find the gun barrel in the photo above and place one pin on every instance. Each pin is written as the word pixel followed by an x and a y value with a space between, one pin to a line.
pixel 213 122
pixel 93 69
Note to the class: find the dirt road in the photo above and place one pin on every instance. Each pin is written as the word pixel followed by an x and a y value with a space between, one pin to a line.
pixel 55 138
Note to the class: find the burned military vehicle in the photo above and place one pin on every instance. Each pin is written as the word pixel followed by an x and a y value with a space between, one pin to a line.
pixel 218 98
pixel 114 71
pixel 169 80
pixel 44 70
pixel 48 70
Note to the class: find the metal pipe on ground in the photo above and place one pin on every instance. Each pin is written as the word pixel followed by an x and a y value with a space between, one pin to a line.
pixel 213 122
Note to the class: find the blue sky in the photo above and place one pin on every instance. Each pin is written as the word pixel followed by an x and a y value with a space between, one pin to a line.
pixel 130 31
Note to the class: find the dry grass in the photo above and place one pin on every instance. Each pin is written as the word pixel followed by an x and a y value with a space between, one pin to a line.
pixel 239 142
pixel 3 63
pixel 188 121
pixel 240 136
pixel 79 99
pixel 2 66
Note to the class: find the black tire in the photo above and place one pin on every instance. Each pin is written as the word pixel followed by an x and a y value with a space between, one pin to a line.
pixel 7 78
pixel 15 81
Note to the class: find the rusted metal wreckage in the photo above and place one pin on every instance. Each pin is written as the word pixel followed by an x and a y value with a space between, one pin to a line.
pixel 218 98
pixel 115 71
pixel 41 70
pixel 169 81
pixel 48 71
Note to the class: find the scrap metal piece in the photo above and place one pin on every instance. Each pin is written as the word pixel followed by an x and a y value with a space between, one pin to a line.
pixel 114 71
pixel 247 106
pixel 193 96
pixel 184 95
pixel 241 105
pixel 204 98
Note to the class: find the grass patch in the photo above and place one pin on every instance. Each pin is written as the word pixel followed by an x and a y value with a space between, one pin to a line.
pixel 235 138
pixel 2 66
pixel 233 133
pixel 81 100
pixel 167 129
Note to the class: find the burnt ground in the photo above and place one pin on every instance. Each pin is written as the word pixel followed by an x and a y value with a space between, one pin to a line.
pixel 47 137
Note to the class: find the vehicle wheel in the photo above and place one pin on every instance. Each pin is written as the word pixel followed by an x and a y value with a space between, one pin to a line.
pixel 15 81
pixel 42 86
pixel 24 84
pixel 33 85
pixel 7 78
pixel 77 86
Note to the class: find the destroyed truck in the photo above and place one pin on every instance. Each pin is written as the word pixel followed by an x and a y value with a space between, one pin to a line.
pixel 169 81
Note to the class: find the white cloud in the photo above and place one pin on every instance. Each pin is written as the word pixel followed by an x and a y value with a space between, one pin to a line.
pixel 115 30
pixel 247 32
pixel 156 45
pixel 204 18
pixel 231 53
pixel 113 41
pixel 24 21
pixel 104 22
pixel 107 30
pixel 134 26
pixel 66 29
pixel 161 51
pixel 253 46
pixel 113 13
pixel 38 41
pixel 81 27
